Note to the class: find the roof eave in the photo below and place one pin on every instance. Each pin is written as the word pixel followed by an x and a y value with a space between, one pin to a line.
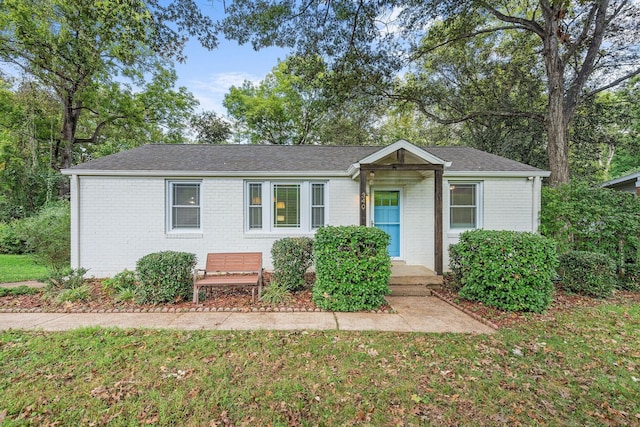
pixel 627 178
pixel 497 174
pixel 212 174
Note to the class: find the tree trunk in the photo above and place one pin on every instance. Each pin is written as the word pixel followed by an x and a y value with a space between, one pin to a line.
pixel 557 123
pixel 70 117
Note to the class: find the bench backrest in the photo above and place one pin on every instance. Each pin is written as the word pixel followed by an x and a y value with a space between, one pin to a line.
pixel 238 262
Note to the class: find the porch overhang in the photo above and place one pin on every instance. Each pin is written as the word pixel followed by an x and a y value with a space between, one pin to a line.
pixel 404 156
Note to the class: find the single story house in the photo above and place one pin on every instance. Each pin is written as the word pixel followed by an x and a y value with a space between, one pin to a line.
pixel 234 198
pixel 628 183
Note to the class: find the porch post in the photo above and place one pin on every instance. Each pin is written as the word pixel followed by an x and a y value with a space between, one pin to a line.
pixel 438 220
pixel 363 196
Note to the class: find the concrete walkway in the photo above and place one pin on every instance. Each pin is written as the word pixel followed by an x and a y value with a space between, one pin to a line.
pixel 412 314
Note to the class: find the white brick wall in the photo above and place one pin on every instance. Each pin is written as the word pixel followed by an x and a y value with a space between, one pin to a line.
pixel 122 219
pixel 508 204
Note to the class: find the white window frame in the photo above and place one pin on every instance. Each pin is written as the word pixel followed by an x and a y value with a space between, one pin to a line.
pixel 268 194
pixel 170 205
pixel 479 204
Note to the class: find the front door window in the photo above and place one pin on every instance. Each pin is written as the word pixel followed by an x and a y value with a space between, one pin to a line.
pixel 386 216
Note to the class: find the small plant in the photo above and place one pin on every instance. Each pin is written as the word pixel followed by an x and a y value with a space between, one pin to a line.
pixel 275 293
pixel 124 285
pixel 126 295
pixel 165 276
pixel 81 293
pixel 292 257
pixel 67 285
pixel 352 268
pixel 66 278
pixel 588 273
pixel 124 280
pixel 19 290
pixel 508 270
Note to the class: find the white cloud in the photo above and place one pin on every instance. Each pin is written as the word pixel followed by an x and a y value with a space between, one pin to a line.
pixel 211 91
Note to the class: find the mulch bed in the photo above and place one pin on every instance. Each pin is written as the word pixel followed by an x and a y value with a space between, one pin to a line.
pixel 239 300
pixel 562 301
pixel 233 299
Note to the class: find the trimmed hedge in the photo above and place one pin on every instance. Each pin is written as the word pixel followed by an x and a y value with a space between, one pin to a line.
pixel 508 270
pixel 588 273
pixel 584 218
pixel 292 257
pixel 352 268
pixel 165 276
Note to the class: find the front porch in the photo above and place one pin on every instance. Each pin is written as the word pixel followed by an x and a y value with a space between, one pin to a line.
pixel 412 280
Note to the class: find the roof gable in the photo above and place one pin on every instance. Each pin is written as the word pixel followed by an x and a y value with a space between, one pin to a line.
pixel 407 146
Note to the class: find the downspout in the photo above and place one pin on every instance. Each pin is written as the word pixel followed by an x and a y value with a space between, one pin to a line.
pixel 75 221
pixel 535 203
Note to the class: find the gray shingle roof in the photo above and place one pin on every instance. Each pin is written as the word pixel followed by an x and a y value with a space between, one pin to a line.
pixel 278 158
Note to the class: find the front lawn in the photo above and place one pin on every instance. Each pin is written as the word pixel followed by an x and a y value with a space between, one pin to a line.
pixel 577 367
pixel 18 268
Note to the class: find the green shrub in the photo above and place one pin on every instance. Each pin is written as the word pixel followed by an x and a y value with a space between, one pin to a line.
pixel 48 234
pixel 352 268
pixel 630 277
pixel 12 240
pixel 582 218
pixel 508 270
pixel 165 276
pixel 588 273
pixel 292 257
pixel 275 293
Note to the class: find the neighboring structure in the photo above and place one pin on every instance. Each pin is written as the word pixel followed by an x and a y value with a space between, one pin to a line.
pixel 628 183
pixel 231 198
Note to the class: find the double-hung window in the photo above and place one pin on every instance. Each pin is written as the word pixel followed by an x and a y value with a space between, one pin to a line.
pixel 285 206
pixel 184 206
pixel 464 205
pixel 317 205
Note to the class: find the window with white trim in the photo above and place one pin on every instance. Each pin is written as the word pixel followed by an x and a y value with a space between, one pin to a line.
pixel 184 209
pixel 317 205
pixel 255 206
pixel 464 205
pixel 277 206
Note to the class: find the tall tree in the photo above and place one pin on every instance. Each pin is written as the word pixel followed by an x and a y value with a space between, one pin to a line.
pixel 296 104
pixel 284 108
pixel 210 128
pixel 73 47
pixel 585 47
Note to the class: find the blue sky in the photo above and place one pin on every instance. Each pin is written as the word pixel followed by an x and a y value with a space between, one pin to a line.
pixel 210 74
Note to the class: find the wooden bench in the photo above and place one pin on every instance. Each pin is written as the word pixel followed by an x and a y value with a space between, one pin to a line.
pixel 229 270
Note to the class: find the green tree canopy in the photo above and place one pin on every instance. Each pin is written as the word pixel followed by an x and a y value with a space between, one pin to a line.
pixel 581 48
pixel 77 50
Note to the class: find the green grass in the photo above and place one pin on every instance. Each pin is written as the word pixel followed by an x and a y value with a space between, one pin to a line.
pixel 579 368
pixel 18 268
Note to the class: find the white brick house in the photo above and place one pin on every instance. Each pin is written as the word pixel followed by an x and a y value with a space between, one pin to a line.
pixel 231 198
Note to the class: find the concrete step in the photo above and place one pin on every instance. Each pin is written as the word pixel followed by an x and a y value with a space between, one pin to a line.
pixel 409 290
pixel 416 280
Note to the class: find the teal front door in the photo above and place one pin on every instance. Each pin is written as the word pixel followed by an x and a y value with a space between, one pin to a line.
pixel 386 216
